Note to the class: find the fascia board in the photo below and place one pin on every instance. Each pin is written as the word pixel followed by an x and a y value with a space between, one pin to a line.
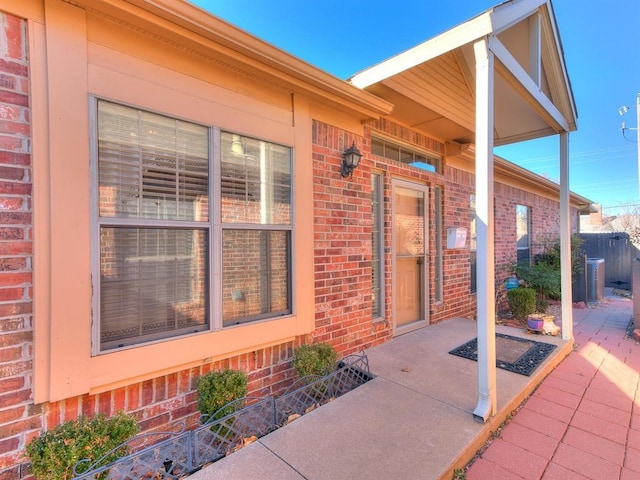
pixel 491 21
pixel 508 14
pixel 553 47
pixel 450 40
pixel 523 137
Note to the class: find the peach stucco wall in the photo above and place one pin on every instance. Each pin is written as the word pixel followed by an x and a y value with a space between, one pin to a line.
pixel 163 78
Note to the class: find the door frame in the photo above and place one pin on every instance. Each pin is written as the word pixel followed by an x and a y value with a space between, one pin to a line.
pixel 424 274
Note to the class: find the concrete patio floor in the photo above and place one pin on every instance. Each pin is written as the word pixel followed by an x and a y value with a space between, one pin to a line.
pixel 413 421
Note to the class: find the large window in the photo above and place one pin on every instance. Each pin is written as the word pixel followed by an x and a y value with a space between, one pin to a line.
pixel 157 238
pixel 523 235
pixel 399 153
pixel 377 241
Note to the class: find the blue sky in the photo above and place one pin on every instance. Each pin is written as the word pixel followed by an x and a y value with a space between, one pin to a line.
pixel 602 52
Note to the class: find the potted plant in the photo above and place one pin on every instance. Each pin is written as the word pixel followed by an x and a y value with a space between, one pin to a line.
pixel 535 322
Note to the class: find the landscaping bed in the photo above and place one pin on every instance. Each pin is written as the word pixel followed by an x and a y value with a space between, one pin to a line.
pixel 172 455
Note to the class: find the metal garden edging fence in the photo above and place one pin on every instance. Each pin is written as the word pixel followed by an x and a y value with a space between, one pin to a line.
pixel 172 455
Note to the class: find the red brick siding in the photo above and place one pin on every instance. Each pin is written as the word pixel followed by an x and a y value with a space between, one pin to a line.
pixel 157 402
pixel 342 219
pixel 19 418
pixel 342 248
pixel 544 221
pixel 342 223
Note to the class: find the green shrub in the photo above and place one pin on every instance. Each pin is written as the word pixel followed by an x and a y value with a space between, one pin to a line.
pixel 544 275
pixel 216 389
pixel 522 302
pixel 545 280
pixel 54 453
pixel 315 359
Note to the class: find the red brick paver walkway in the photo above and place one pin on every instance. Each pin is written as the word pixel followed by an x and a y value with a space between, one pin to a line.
pixel 583 421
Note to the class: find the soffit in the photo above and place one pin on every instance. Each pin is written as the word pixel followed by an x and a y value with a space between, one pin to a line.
pixel 433 85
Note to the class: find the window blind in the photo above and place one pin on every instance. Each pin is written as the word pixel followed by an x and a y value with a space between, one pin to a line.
pixel 152 170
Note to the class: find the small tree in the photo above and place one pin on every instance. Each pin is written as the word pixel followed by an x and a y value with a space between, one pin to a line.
pixel 551 255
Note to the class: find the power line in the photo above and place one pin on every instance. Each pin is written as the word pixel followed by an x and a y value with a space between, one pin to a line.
pixel 600 186
pixel 622 205
pixel 603 152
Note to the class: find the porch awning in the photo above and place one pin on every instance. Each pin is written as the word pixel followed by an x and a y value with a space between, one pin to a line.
pixel 433 84
pixel 499 78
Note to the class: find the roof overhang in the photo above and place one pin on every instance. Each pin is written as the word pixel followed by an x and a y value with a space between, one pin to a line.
pixel 212 39
pixel 433 84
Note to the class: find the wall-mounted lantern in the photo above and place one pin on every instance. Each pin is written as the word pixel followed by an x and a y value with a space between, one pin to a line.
pixel 350 160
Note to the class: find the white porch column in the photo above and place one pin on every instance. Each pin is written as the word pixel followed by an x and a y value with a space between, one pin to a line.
pixel 487 399
pixel 565 240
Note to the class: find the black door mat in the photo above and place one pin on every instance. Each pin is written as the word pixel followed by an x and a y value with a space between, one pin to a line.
pixel 518 355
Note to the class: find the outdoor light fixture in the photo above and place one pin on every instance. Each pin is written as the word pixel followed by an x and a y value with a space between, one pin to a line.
pixel 237 146
pixel 350 160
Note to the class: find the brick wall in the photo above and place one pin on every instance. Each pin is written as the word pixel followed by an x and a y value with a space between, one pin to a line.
pixel 19 418
pixel 457 300
pixel 342 223
pixel 545 221
pixel 162 401
pixel 342 219
pixel 342 248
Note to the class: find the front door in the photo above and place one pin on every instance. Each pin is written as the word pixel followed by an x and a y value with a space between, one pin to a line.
pixel 410 256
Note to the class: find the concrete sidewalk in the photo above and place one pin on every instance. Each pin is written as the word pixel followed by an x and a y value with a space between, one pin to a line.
pixel 413 421
pixel 583 422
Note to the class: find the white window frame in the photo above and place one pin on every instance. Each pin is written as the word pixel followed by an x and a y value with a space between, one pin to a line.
pixel 473 253
pixel 526 208
pixel 377 182
pixel 409 152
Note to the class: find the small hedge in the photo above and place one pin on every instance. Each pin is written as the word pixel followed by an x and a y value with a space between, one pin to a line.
pixel 522 302
pixel 216 389
pixel 54 453
pixel 315 359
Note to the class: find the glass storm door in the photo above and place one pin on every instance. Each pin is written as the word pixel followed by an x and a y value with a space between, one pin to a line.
pixel 410 256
